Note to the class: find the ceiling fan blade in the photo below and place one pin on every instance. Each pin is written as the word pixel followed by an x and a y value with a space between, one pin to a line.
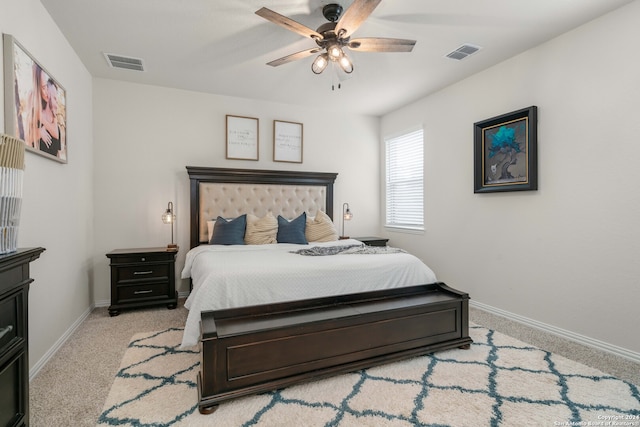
pixel 354 16
pixel 378 44
pixel 294 56
pixel 288 23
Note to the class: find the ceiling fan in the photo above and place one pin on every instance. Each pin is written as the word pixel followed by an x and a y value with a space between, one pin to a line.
pixel 332 37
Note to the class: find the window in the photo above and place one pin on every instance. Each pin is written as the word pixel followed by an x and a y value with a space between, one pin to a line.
pixel 404 181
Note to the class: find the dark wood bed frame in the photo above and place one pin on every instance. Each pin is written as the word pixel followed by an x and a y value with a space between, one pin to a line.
pixel 250 350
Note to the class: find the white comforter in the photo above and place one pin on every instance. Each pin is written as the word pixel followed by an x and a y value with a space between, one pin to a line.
pixel 236 276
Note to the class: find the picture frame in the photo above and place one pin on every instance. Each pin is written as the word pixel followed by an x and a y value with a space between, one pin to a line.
pixel 287 141
pixel 43 129
pixel 506 152
pixel 242 138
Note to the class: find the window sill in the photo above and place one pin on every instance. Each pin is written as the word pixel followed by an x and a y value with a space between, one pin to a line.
pixel 399 229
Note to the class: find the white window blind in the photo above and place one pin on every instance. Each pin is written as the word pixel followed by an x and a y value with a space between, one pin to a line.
pixel 404 181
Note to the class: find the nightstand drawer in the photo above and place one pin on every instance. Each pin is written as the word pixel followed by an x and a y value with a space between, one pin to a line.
pixel 11 326
pixel 12 406
pixel 143 272
pixel 142 258
pixel 140 292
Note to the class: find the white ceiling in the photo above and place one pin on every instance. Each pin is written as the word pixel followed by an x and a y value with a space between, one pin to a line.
pixel 222 47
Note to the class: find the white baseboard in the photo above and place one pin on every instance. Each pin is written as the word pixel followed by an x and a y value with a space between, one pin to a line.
pixel 563 333
pixel 58 344
pixel 572 336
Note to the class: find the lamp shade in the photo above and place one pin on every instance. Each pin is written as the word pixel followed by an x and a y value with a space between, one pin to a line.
pixel 168 217
pixel 347 214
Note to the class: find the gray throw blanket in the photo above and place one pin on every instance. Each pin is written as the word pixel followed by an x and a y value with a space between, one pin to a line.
pixel 347 250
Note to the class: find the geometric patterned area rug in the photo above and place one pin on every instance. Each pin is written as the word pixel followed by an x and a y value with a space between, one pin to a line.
pixel 500 381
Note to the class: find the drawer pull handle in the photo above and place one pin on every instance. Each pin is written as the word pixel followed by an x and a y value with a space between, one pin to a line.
pixel 142 272
pixel 5 331
pixel 143 292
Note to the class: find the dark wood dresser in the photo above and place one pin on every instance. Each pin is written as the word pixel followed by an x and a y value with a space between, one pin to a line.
pixel 142 277
pixel 14 336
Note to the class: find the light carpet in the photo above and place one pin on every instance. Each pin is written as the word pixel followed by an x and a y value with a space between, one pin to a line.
pixel 500 381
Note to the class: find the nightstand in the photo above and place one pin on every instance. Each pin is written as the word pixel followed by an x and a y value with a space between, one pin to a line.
pixel 373 241
pixel 142 277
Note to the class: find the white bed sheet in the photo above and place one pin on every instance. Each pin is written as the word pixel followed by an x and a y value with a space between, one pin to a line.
pixel 244 275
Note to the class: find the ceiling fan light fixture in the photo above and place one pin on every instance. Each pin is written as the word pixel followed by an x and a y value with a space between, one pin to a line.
pixel 320 63
pixel 332 36
pixel 345 64
pixel 334 52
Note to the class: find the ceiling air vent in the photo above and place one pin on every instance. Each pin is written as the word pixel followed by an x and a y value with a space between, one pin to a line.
pixel 463 51
pixel 128 63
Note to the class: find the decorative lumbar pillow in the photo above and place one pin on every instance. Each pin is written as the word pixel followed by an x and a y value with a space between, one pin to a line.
pixel 292 231
pixel 321 229
pixel 261 231
pixel 229 232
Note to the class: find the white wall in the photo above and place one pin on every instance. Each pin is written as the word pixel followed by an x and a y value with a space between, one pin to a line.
pixel 567 255
pixel 146 135
pixel 57 210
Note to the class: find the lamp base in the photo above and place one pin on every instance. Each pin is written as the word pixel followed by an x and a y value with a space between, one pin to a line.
pixel 172 247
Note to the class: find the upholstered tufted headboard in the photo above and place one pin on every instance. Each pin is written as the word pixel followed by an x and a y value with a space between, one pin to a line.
pixel 232 192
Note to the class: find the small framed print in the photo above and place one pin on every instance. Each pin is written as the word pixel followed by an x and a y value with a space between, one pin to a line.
pixel 287 141
pixel 505 152
pixel 242 138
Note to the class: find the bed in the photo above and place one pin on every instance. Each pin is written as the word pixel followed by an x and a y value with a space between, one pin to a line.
pixel 250 301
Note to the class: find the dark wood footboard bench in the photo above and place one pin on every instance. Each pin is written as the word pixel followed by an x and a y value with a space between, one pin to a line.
pixel 255 349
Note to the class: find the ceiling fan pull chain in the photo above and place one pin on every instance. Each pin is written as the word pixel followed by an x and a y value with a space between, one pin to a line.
pixel 333 76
